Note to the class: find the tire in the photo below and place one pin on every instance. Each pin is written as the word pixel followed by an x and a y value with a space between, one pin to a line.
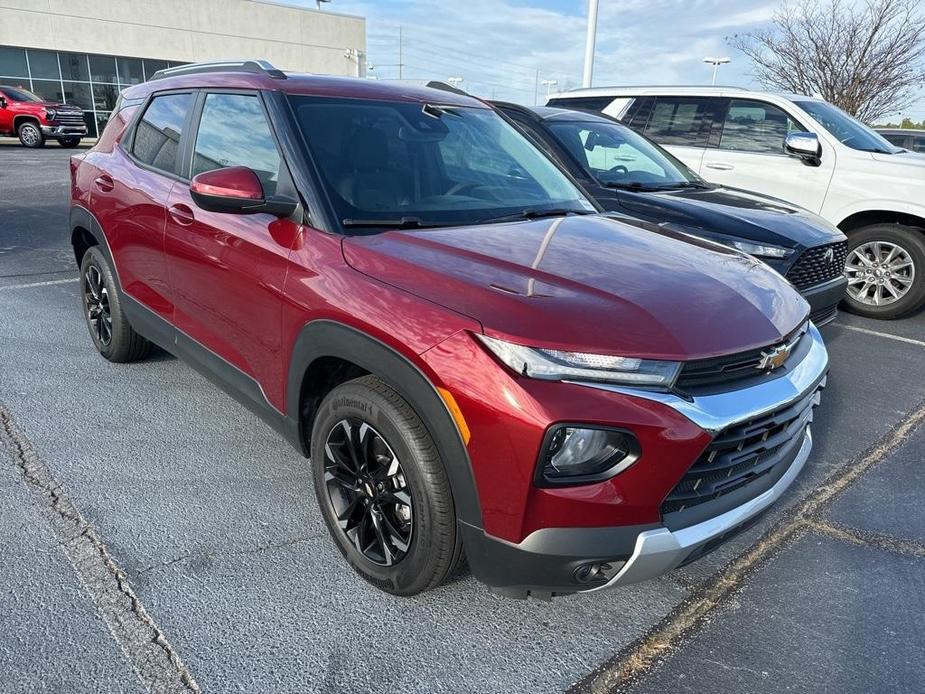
pixel 875 296
pixel 100 299
pixel 30 134
pixel 69 142
pixel 393 441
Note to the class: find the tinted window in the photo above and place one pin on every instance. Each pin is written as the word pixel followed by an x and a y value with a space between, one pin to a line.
pixel 130 71
pixel 918 143
pixel 13 62
pixel 157 136
pixel 44 65
pixel 49 90
pixel 587 103
pixel 898 140
pixel 74 66
pixel 14 94
pixel 103 68
pixel 234 132
pixel 754 126
pixel 679 121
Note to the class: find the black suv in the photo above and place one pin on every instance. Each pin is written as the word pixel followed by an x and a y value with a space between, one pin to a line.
pixel 631 175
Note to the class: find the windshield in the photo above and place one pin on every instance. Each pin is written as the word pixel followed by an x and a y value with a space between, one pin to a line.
pixel 15 94
pixel 428 164
pixel 613 154
pixel 850 132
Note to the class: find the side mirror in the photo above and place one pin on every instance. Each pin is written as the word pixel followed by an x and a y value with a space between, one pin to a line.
pixel 2 102
pixel 805 146
pixel 236 190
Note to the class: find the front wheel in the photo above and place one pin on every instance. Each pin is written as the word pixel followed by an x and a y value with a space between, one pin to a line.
pixel 69 142
pixel 30 135
pixel 886 271
pixel 382 488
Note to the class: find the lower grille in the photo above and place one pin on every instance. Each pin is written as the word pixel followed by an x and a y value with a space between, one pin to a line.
pixel 743 454
pixel 817 265
pixel 823 315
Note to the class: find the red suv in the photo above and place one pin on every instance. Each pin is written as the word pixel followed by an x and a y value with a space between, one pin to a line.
pixel 434 313
pixel 33 120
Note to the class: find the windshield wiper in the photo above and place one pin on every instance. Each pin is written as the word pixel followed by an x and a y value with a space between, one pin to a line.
pixel 532 213
pixel 395 223
pixel 634 185
pixel 876 150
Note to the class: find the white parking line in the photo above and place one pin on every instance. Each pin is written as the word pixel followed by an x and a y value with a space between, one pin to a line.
pixel 39 284
pixel 898 338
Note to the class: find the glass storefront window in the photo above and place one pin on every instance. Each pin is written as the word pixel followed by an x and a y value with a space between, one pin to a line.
pixel 130 71
pixel 50 90
pixel 74 66
pixel 101 120
pixel 103 68
pixel 78 93
pixel 44 65
pixel 13 62
pixel 152 66
pixel 90 120
pixel 104 96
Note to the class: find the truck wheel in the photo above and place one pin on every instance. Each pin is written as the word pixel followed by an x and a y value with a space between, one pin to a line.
pixel 382 488
pixel 886 271
pixel 69 142
pixel 112 335
pixel 30 134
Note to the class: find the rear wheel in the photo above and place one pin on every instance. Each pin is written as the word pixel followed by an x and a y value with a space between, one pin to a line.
pixel 30 134
pixel 383 489
pixel 886 271
pixel 69 142
pixel 112 335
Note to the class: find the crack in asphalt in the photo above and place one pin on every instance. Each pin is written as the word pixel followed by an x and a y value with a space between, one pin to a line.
pixel 154 661
pixel 634 661
pixel 867 538
pixel 241 552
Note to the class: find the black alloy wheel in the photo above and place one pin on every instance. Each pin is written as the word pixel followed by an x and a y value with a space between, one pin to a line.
pixel 368 492
pixel 96 303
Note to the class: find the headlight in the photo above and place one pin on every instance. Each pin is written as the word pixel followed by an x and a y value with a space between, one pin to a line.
pixel 556 365
pixel 50 113
pixel 573 454
pixel 760 250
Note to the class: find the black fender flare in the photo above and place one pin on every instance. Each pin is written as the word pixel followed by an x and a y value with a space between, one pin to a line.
pixel 328 338
pixel 82 218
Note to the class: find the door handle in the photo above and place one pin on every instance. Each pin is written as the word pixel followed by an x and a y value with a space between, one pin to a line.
pixel 719 166
pixel 104 183
pixel 181 214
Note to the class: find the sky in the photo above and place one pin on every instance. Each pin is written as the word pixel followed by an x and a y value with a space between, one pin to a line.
pixel 506 48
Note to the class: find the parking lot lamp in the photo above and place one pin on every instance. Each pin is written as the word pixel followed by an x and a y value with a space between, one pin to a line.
pixel 716 62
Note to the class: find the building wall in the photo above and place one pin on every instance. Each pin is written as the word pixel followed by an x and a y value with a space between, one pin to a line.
pixel 302 40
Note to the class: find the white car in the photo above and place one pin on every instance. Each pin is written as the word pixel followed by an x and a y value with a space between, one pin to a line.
pixel 803 150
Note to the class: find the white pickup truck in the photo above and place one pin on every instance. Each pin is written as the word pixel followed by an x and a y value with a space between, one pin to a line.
pixel 803 150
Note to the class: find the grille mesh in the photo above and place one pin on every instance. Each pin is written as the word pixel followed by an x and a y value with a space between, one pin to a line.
pixel 742 454
pixel 812 268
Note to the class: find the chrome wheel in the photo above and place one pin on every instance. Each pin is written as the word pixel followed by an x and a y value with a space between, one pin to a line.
pixel 368 492
pixel 879 273
pixel 29 135
pixel 96 301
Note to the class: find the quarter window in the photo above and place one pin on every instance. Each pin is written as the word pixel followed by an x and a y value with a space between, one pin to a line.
pixel 754 126
pixel 234 132
pixel 681 121
pixel 157 136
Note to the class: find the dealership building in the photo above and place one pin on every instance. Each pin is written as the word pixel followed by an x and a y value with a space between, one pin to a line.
pixel 85 53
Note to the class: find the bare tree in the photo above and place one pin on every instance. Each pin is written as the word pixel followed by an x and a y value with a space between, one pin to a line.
pixel 866 57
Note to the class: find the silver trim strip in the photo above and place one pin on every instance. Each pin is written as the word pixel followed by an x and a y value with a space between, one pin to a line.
pixel 661 550
pixel 721 410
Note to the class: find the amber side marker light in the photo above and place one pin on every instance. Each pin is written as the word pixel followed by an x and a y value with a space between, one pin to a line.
pixel 457 414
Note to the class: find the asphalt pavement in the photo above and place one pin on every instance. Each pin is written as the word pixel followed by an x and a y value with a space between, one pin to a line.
pixel 157 536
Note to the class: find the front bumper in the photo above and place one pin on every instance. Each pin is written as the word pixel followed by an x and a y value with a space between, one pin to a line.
pixel 823 300
pixel 550 560
pixel 64 130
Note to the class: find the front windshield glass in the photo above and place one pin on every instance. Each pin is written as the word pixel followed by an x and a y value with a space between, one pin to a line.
pixel 850 132
pixel 428 164
pixel 614 155
pixel 16 94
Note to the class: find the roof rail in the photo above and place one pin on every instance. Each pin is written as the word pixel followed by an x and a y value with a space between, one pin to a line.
pixel 443 86
pixel 262 67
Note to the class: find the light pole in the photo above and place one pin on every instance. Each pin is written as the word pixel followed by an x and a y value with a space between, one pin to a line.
pixel 455 81
pixel 716 62
pixel 318 3
pixel 589 43
pixel 549 84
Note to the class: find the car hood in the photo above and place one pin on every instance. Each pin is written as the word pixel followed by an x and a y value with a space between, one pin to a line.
pixel 589 283
pixel 734 212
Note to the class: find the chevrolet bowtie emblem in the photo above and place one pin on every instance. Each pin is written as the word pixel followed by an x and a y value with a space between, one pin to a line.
pixel 774 358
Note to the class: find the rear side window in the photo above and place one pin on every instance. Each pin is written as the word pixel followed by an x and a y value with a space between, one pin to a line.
pixel 754 126
pixel 234 132
pixel 157 137
pixel 918 143
pixel 585 103
pixel 684 121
